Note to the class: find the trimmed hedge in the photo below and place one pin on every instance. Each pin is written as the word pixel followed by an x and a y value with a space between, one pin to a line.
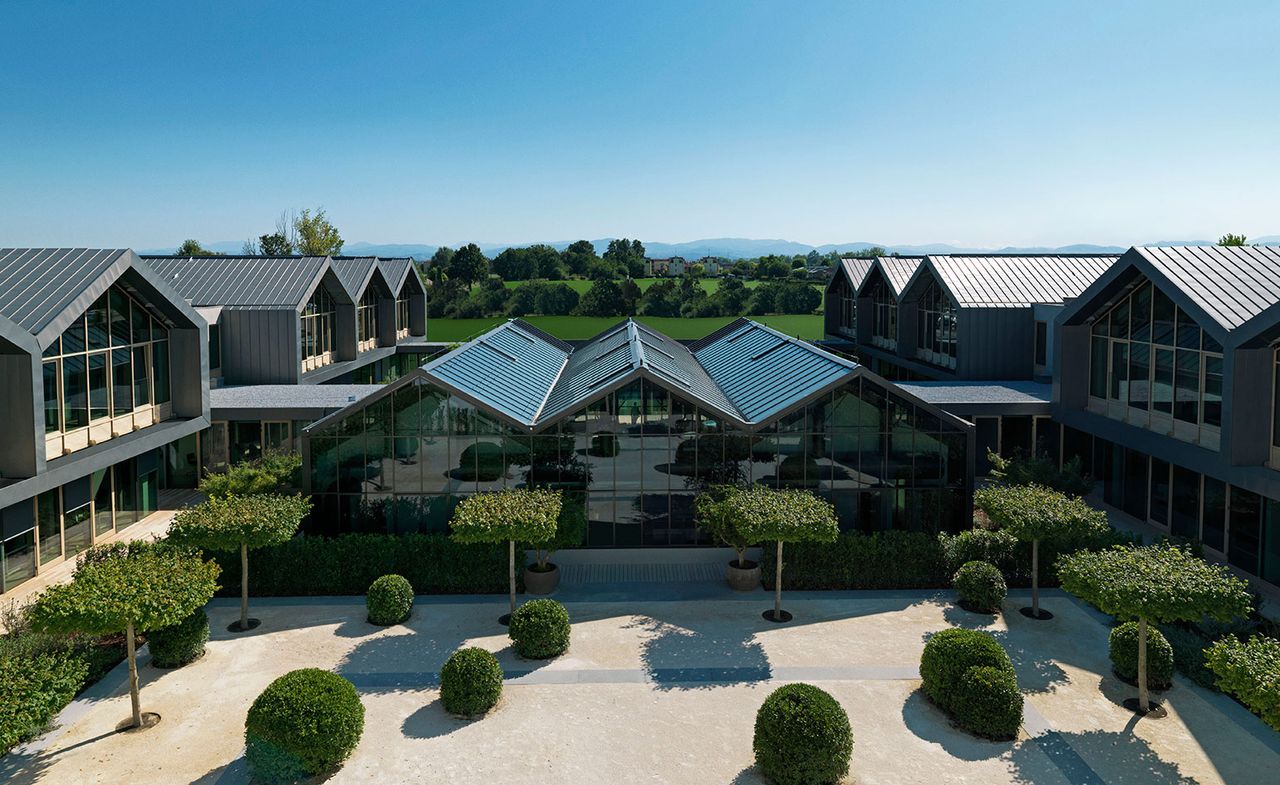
pixel 988 545
pixel 539 629
pixel 970 677
pixel 32 692
pixel 1123 645
pixel 305 723
pixel 988 703
pixel 348 564
pixel 389 600
pixel 173 647
pixel 470 682
pixel 802 737
pixel 1250 672
pixel 980 586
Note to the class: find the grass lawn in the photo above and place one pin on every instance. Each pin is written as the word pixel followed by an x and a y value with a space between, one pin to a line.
pixel 573 328
pixel 580 285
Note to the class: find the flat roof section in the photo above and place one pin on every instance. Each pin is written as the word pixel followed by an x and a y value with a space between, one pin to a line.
pixel 284 401
pixel 984 398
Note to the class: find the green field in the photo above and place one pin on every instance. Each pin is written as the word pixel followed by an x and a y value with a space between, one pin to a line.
pixel 581 285
pixel 573 328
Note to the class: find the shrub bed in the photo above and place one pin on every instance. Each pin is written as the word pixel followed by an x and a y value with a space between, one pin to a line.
pixel 970 677
pixel 540 629
pixel 348 564
pixel 173 647
pixel 802 737
pixel 1123 644
pixel 980 586
pixel 470 682
pixel 305 723
pixel 32 692
pixel 389 600
pixel 994 547
pixel 1249 672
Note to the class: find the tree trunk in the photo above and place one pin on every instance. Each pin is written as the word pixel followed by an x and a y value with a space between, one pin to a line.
pixel 511 571
pixel 244 587
pixel 777 587
pixel 1035 578
pixel 131 654
pixel 1143 704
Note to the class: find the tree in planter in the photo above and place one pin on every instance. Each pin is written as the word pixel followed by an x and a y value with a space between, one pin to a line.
pixel 127 588
pixel 571 530
pixel 715 515
pixel 760 514
pixel 526 515
pixel 1032 513
pixel 1153 584
pixel 240 523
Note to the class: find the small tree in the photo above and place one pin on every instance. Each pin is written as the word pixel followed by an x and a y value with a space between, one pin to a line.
pixel 1153 584
pixel 240 523
pixel 759 514
pixel 127 588
pixel 272 473
pixel 1032 513
pixel 571 530
pixel 514 515
pixel 716 519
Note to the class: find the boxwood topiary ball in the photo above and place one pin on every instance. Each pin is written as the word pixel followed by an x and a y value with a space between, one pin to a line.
pixel 389 600
pixel 802 737
pixel 175 646
pixel 980 586
pixel 470 682
pixel 540 629
pixel 988 703
pixel 1124 655
pixel 949 654
pixel 304 723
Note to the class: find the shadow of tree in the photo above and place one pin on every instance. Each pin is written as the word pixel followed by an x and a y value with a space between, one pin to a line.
pixel 683 658
pixel 1094 757
pixel 432 721
pixel 930 724
pixel 235 771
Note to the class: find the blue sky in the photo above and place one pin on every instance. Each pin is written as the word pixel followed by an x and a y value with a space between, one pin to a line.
pixel 969 123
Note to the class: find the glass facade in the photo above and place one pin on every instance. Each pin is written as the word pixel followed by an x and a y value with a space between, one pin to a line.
pixel 318 319
pixel 885 321
pixel 636 458
pixel 936 327
pixel 402 312
pixel 367 320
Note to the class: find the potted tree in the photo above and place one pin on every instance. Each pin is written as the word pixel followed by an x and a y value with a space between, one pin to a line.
pixel 763 514
pixel 719 519
pixel 513 515
pixel 127 588
pixel 543 576
pixel 1153 584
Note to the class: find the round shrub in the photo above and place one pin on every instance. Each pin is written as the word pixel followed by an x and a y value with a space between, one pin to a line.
pixel 990 545
pixel 304 723
pixel 470 682
pixel 949 654
pixel 172 647
pixel 540 629
pixel 988 703
pixel 802 737
pixel 389 600
pixel 1124 655
pixel 980 586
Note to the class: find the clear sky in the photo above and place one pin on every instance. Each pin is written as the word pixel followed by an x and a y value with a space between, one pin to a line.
pixel 1040 123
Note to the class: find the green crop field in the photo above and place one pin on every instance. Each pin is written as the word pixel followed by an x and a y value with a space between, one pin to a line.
pixel 573 328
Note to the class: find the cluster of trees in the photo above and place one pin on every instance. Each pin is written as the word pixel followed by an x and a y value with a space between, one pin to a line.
pixel 307 233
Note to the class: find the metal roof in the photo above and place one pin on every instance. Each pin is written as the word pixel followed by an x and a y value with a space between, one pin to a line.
pixel 898 271
pixel 234 281
pixel 855 270
pixel 1230 284
pixel 39 283
pixel 998 280
pixel 354 272
pixel 396 271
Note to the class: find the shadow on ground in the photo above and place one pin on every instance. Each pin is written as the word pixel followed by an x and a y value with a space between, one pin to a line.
pixel 1114 757
pixel 928 723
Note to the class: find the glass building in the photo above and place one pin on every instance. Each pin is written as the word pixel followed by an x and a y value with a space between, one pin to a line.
pixel 633 425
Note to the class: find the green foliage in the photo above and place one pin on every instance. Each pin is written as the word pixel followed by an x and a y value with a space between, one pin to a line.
pixel 32 692
pixel 1189 654
pixel 150 586
pixel 468 264
pixel 571 528
pixel 470 682
pixel 1034 512
pixel 604 298
pixel 760 513
pixel 989 545
pixel 1229 239
pixel 717 519
pixel 1159 583
pixel 1249 671
pixel 305 723
pixel 315 236
pixel 226 523
pixel 194 248
pixel 949 655
pixel 1123 645
pixel 273 472
pixel 175 646
pixel 526 515
pixel 988 703
pixel 1041 470
pixel 389 600
pixel 347 564
pixel 539 629
pixel 980 586
pixel 802 737
pixel 880 560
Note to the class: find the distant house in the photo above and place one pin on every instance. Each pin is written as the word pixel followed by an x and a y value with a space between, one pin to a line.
pixel 658 268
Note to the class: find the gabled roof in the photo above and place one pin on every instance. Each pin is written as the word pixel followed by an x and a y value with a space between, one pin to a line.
pixel 1007 281
pixel 897 271
pixel 233 281
pixel 854 271
pixel 356 273
pixel 39 283
pixel 1231 285
pixel 396 270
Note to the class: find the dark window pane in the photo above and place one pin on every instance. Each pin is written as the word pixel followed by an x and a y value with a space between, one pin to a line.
pixel 1119 371
pixel 121 382
pixel 1120 320
pixel 49 525
pixel 1212 390
pixel 1140 316
pixel 119 318
pixel 1185 520
pixel 1042 343
pixel 99 338
pixel 1139 375
pixel 99 387
pixel 1188 331
pixel 141 377
pixel 1162 384
pixel 1098 367
pixel 1213 528
pixel 75 391
pixel 52 401
pixel 1186 402
pixel 1159 491
pixel 160 366
pixel 18 554
pixel 1246 530
pixel 1162 310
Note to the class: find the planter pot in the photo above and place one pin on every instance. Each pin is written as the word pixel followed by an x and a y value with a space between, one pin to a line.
pixel 536 582
pixel 743 578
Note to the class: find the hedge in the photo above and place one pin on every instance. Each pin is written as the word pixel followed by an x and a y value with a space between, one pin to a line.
pixel 1250 672
pixel 349 564
pixel 32 692
pixel 173 647
pixel 802 737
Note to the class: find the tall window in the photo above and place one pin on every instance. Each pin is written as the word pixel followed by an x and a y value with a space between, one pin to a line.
pixel 1150 355
pixel 936 327
pixel 1275 412
pixel 317 330
pixel 215 348
pixel 402 314
pixel 110 362
pixel 1042 343
pixel 885 323
pixel 367 320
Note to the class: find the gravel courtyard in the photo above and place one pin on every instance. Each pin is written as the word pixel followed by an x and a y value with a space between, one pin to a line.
pixel 656 692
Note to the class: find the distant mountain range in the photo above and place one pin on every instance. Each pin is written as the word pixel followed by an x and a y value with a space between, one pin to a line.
pixel 732 248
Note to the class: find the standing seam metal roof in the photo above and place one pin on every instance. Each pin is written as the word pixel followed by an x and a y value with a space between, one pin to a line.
pixel 39 283
pixel 396 271
pixel 354 273
pixel 1016 281
pixel 856 269
pixel 1231 284
pixel 233 281
pixel 898 271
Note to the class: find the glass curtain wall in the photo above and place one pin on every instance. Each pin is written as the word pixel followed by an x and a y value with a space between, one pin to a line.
pixel 936 327
pixel 317 329
pixel 367 320
pixel 402 312
pixel 885 323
